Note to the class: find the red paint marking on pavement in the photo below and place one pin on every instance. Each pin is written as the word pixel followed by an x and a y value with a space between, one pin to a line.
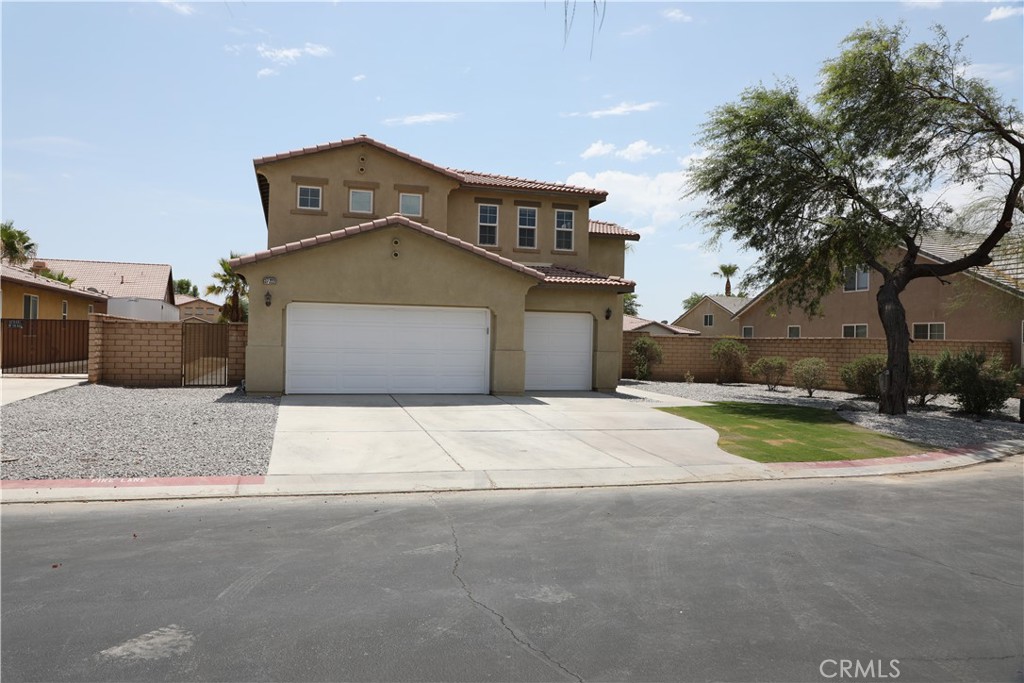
pixel 126 482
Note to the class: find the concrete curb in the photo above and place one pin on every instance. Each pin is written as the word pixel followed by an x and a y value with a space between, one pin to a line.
pixel 109 490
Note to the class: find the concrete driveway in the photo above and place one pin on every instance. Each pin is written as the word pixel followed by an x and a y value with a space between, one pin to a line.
pixel 499 437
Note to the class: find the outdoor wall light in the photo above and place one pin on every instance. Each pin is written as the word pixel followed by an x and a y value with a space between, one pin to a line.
pixel 266 298
pixel 607 314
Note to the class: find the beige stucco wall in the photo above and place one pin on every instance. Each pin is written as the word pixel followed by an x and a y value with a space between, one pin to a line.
pixel 463 217
pixel 49 302
pixel 369 166
pixel 694 320
pixel 361 270
pixel 607 255
pixel 970 309
pixel 607 333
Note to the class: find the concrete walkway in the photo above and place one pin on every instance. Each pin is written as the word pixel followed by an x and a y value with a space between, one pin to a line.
pixel 25 386
pixel 327 445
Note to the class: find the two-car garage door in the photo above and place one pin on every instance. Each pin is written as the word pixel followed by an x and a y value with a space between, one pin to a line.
pixel 361 349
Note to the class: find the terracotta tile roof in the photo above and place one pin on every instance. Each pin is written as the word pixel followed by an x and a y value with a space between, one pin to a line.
pixel 27 277
pixel 468 178
pixel 117 279
pixel 376 225
pixel 182 299
pixel 611 229
pixel 1006 270
pixel 632 322
pixel 566 275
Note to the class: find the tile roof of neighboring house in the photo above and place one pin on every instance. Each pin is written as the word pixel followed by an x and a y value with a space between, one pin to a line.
pixel 611 230
pixel 470 178
pixel 27 277
pixel 183 299
pixel 117 279
pixel 730 303
pixel 567 275
pixel 632 322
pixel 1006 270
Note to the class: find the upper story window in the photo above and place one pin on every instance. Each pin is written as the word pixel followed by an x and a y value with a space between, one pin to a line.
pixel 563 229
pixel 410 204
pixel 793 331
pixel 856 279
pixel 709 320
pixel 309 198
pixel 64 310
pixel 360 201
pixel 30 310
pixel 527 238
pixel 747 332
pixel 487 232
pixel 929 330
pixel 856 331
pixel 91 308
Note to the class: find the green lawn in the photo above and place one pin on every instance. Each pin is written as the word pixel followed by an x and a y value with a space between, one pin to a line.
pixel 785 433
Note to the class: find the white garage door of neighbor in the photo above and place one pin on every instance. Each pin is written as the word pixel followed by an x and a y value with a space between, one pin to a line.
pixel 356 349
pixel 559 351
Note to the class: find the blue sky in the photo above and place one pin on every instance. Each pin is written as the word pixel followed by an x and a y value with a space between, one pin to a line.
pixel 129 129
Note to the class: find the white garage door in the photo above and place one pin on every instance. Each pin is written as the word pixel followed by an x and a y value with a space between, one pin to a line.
pixel 351 349
pixel 559 351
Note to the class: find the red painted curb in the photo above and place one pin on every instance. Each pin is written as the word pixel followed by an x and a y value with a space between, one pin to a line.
pixel 128 482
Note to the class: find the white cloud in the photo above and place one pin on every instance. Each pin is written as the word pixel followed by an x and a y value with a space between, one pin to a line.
pixel 677 15
pixel 1004 12
pixel 922 4
pixel 290 55
pixel 620 109
pixel 234 49
pixel 263 73
pixel 598 149
pixel 992 72
pixel 414 119
pixel 641 30
pixel 359 77
pixel 182 8
pixel 651 202
pixel 638 151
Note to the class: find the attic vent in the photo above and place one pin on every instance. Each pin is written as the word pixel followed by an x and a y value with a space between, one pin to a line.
pixel 122 279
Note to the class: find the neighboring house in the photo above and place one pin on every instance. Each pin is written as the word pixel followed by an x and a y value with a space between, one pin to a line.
pixel 631 323
pixel 29 295
pixel 981 304
pixel 193 309
pixel 712 316
pixel 144 291
pixel 385 273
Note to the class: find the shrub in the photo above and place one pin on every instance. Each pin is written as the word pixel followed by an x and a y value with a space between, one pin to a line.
pixel 810 374
pixel 644 353
pixel 770 370
pixel 923 384
pixel 731 356
pixel 861 376
pixel 979 383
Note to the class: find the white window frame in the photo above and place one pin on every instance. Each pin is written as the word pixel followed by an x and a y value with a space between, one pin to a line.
pixel 30 305
pixel 532 229
pixel 858 271
pixel 789 332
pixel 480 224
pixel 709 320
pixel 64 309
pixel 91 309
pixel 351 204
pixel 319 198
pixel 854 327
pixel 928 336
pixel 747 332
pixel 561 231
pixel 402 197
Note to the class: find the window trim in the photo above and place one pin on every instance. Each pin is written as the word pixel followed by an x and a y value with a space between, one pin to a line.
pixel 402 195
pixel 855 326
pixel 351 209
pixel 480 224
pixel 520 227
pixel 64 309
pixel 571 230
pixel 743 332
pixel 91 309
pixel 789 332
pixel 319 198
pixel 30 307
pixel 709 317
pixel 929 337
pixel 856 279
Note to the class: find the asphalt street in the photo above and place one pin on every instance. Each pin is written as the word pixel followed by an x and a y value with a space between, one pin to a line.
pixel 910 578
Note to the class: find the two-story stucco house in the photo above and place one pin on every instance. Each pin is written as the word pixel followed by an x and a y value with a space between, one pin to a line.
pixel 385 273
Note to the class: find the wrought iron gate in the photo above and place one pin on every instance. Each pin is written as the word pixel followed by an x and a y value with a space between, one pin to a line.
pixel 204 355
pixel 45 346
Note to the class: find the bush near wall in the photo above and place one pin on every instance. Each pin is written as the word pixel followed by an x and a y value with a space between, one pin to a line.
pixel 686 354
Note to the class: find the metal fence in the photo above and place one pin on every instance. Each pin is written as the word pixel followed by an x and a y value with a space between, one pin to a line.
pixel 44 346
pixel 204 355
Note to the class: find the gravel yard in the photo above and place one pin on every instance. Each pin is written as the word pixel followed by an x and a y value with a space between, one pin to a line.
pixel 92 431
pixel 937 425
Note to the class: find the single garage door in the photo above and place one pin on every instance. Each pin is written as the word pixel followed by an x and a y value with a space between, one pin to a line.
pixel 354 349
pixel 559 351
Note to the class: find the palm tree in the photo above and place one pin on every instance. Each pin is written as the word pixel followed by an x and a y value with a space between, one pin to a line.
pixel 231 285
pixel 727 270
pixel 15 245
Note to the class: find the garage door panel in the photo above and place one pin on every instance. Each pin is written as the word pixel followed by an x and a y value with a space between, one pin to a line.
pixel 559 351
pixel 343 348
